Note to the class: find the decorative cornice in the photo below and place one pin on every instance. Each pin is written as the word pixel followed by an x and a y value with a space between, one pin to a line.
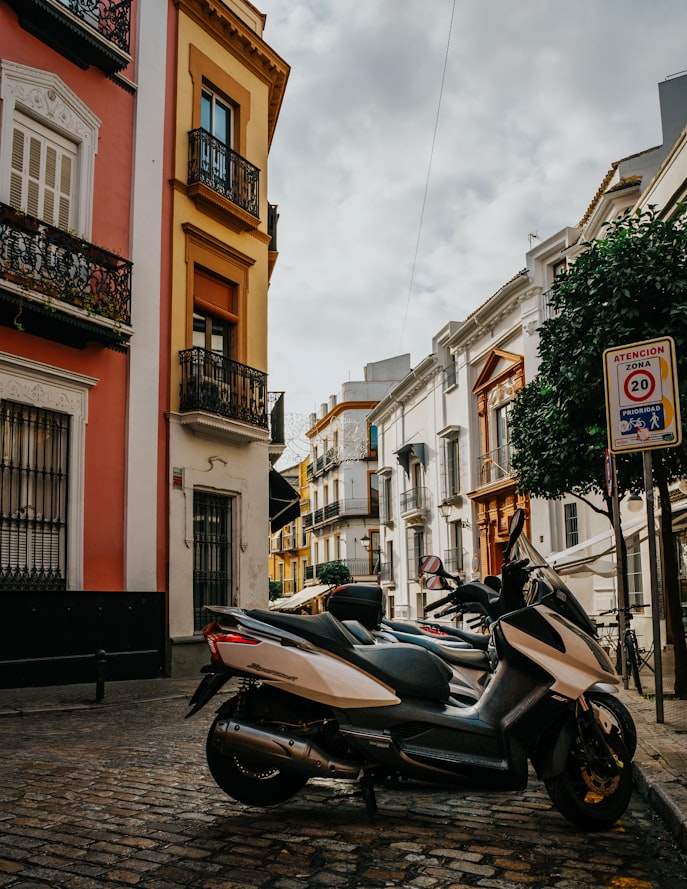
pixel 239 39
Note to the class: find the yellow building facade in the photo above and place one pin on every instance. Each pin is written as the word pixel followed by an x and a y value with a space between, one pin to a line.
pixel 228 86
pixel 290 562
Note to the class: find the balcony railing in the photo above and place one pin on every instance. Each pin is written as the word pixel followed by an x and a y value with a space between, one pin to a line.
pixel 111 19
pixel 281 542
pixel 340 509
pixel 495 466
pixel 414 499
pixel 39 257
pixel 224 171
pixel 211 382
pixel 356 567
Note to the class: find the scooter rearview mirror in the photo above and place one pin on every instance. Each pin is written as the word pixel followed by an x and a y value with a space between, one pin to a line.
pixel 436 582
pixel 431 565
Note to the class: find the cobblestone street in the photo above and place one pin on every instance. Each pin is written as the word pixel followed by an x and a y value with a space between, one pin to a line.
pixel 121 796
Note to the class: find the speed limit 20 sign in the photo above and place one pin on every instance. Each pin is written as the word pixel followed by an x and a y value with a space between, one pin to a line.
pixel 642 400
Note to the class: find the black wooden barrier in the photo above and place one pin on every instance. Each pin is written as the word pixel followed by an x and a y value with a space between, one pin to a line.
pixel 63 638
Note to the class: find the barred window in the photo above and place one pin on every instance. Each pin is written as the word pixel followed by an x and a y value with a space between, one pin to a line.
pixel 212 553
pixel 635 592
pixel 572 533
pixel 34 462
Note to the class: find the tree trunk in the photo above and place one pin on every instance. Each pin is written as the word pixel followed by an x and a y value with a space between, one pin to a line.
pixel 671 586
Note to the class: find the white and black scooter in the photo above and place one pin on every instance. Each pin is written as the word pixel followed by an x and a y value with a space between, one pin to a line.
pixel 314 703
pixel 472 656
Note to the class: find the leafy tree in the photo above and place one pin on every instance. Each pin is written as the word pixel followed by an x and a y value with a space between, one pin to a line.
pixel 276 589
pixel 629 286
pixel 334 573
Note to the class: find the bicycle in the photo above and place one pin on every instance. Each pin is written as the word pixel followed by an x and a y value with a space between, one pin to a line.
pixel 633 660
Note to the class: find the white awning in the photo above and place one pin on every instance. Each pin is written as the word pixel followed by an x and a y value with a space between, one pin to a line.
pixel 291 603
pixel 588 555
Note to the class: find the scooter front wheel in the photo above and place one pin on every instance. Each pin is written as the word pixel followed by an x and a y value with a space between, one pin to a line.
pixel 613 710
pixel 247 781
pixel 591 797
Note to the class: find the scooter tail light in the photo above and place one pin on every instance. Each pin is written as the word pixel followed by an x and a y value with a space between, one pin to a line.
pixel 434 631
pixel 214 634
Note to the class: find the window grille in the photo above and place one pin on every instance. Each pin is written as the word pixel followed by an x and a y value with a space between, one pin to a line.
pixel 572 532
pixel 212 553
pixel 635 594
pixel 34 461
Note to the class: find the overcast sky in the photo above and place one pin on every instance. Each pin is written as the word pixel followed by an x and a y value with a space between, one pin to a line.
pixel 378 249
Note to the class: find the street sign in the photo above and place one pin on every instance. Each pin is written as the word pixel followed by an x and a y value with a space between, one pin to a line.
pixel 642 398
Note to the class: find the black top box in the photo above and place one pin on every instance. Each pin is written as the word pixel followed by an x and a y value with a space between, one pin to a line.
pixel 364 602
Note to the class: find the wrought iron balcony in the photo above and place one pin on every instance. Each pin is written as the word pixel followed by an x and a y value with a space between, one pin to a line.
pixel 282 542
pixel 223 171
pixel 495 466
pixel 340 509
pixel 357 567
pixel 103 38
pixel 210 382
pixel 414 499
pixel 42 267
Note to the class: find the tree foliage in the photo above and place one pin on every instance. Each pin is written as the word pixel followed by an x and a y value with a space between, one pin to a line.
pixel 627 287
pixel 335 573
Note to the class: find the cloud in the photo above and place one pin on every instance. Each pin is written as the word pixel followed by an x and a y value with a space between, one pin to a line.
pixel 539 98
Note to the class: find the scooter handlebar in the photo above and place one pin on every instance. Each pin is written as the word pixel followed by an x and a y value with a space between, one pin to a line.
pixel 439 602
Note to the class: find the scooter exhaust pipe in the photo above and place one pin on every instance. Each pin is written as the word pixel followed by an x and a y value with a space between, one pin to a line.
pixel 280 751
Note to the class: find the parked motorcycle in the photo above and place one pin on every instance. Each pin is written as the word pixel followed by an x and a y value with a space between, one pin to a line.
pixel 472 656
pixel 313 702
pixel 532 580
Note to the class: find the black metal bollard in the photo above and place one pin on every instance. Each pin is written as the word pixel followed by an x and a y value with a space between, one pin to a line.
pixel 100 665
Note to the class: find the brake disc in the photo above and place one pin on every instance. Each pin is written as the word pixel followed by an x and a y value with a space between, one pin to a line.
pixel 597 784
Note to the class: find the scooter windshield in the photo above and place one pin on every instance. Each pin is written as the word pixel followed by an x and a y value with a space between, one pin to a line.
pixel 548 587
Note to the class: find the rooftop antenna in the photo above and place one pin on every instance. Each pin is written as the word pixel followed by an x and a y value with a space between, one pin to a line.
pixel 533 236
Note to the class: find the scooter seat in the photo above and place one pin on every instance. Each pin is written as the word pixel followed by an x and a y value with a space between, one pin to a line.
pixel 411 671
pixel 476 640
pixel 462 657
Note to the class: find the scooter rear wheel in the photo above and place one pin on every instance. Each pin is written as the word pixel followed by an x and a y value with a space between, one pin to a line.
pixel 247 781
pixel 589 798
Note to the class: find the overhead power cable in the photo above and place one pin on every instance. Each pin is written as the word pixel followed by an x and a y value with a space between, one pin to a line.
pixel 429 171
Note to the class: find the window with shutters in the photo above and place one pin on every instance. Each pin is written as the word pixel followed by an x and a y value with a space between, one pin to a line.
pixel 451 468
pixel 48 142
pixel 41 176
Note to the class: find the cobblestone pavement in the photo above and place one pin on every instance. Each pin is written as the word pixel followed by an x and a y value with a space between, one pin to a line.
pixel 120 796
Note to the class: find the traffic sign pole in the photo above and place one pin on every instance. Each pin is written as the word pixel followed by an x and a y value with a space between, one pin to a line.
pixel 655 615
pixel 620 560
pixel 643 413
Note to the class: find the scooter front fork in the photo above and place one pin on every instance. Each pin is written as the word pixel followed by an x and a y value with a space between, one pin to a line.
pixel 596 750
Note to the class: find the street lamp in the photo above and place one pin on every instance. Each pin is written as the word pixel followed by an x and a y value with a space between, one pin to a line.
pixel 445 509
pixel 367 546
pixel 635 503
